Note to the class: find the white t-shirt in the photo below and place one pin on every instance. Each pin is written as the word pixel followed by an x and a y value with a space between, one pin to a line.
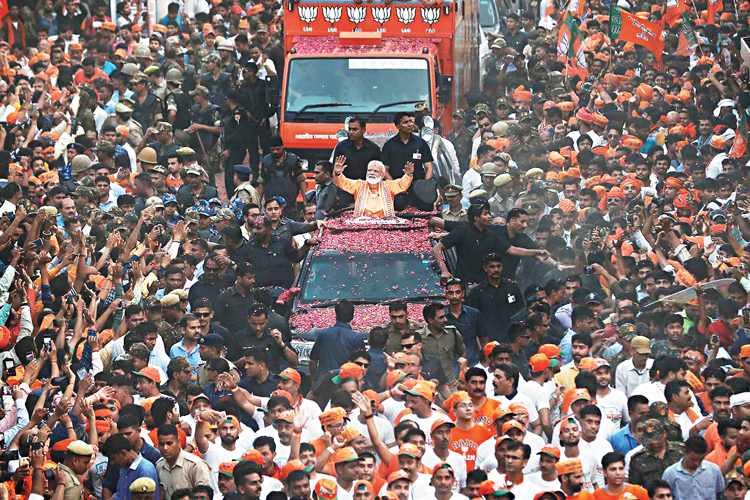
pixel 425 424
pixel 614 406
pixel 418 487
pixel 596 450
pixel 606 429
pixel 537 393
pixel 430 495
pixel 525 400
pixel 456 460
pixel 536 478
pixel 384 427
pixel 589 467
pixel 486 453
pixel 391 409
pixel 217 454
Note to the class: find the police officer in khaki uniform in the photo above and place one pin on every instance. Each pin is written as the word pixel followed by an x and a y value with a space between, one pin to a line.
pixel 125 117
pixel 143 488
pixel 244 190
pixel 455 211
pixel 77 458
pixel 170 334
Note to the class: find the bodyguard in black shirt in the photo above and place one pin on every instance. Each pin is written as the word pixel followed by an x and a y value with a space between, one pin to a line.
pixel 359 152
pixel 407 147
pixel 497 298
pixel 473 242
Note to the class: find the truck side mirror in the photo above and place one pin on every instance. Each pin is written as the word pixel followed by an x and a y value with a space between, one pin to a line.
pixel 446 89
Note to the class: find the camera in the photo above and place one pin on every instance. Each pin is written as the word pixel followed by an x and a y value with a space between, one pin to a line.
pixel 47 343
pixel 60 381
pixel 9 456
pixel 588 270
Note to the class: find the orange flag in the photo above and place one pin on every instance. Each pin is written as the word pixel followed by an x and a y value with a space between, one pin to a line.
pixel 626 27
pixel 675 8
pixel 714 7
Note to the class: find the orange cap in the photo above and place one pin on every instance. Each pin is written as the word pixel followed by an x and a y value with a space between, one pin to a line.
pixel 441 421
pixel 345 454
pixel 539 362
pixel 550 450
pixel 549 350
pixel 513 424
pixel 290 374
pixel 350 433
pixel 424 390
pixel 745 351
pixel 122 130
pixel 348 370
pixel 518 408
pixel 395 376
pixel 293 465
pixel 500 412
pixel 286 394
pixel 410 450
pixel 397 476
pixel 227 468
pixel 253 456
pixel 488 347
pixel 333 416
pixel 569 466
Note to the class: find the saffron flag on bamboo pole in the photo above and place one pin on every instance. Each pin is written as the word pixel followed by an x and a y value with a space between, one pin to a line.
pixel 688 42
pixel 626 27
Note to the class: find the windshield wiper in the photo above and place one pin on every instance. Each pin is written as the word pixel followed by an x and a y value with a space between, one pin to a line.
pixel 390 104
pixel 322 105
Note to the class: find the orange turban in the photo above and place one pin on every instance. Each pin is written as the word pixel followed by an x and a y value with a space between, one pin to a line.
pixel 567 206
pixel 523 95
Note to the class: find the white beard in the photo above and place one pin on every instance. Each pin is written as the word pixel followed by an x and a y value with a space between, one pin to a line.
pixel 372 181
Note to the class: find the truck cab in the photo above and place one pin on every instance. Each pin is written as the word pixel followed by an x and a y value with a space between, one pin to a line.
pixel 372 60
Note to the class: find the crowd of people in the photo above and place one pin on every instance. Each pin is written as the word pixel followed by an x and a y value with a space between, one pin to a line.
pixel 590 235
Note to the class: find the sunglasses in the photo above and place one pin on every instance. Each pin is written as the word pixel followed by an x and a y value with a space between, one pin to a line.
pixel 363 365
pixel 203 315
pixel 408 346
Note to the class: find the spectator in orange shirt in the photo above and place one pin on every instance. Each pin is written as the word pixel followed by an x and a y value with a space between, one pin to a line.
pixel 613 464
pixel 89 72
pixel 484 407
pixel 729 430
pixel 467 435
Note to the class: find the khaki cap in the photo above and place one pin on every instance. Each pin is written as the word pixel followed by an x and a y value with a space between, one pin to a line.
pixel 502 179
pixel 80 448
pixel 641 345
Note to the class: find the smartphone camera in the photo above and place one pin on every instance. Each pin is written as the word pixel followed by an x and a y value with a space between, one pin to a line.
pixel 47 344
pixel 588 270
pixel 10 368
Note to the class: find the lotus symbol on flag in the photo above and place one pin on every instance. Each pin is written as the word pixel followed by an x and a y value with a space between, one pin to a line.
pixel 332 15
pixel 308 14
pixel 430 16
pixel 644 31
pixel 382 15
pixel 356 15
pixel 406 15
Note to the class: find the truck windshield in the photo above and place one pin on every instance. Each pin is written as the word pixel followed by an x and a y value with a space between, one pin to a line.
pixel 364 82
pixel 487 14
pixel 369 277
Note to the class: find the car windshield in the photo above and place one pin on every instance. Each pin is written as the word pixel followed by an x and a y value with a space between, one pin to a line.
pixel 487 14
pixel 369 277
pixel 365 83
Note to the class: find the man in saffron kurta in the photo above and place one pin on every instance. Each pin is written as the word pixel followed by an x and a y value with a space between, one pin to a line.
pixel 373 197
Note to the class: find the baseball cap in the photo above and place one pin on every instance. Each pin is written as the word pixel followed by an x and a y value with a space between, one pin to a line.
pixel 397 476
pixel 290 374
pixel 641 345
pixel 422 390
pixel 227 468
pixel 150 373
pixel 539 362
pixel 652 430
pixel 513 424
pixel 552 451
pixel 569 466
pixel 327 489
pixel 347 370
pixel 395 377
pixel 410 450
pixel 441 421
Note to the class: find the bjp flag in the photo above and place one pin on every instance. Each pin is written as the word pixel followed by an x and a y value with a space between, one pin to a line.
pixel 626 27
pixel 3 8
pixel 570 42
pixel 675 8
pixel 714 7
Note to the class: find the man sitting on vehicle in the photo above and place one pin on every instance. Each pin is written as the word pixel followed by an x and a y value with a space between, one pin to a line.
pixel 373 197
